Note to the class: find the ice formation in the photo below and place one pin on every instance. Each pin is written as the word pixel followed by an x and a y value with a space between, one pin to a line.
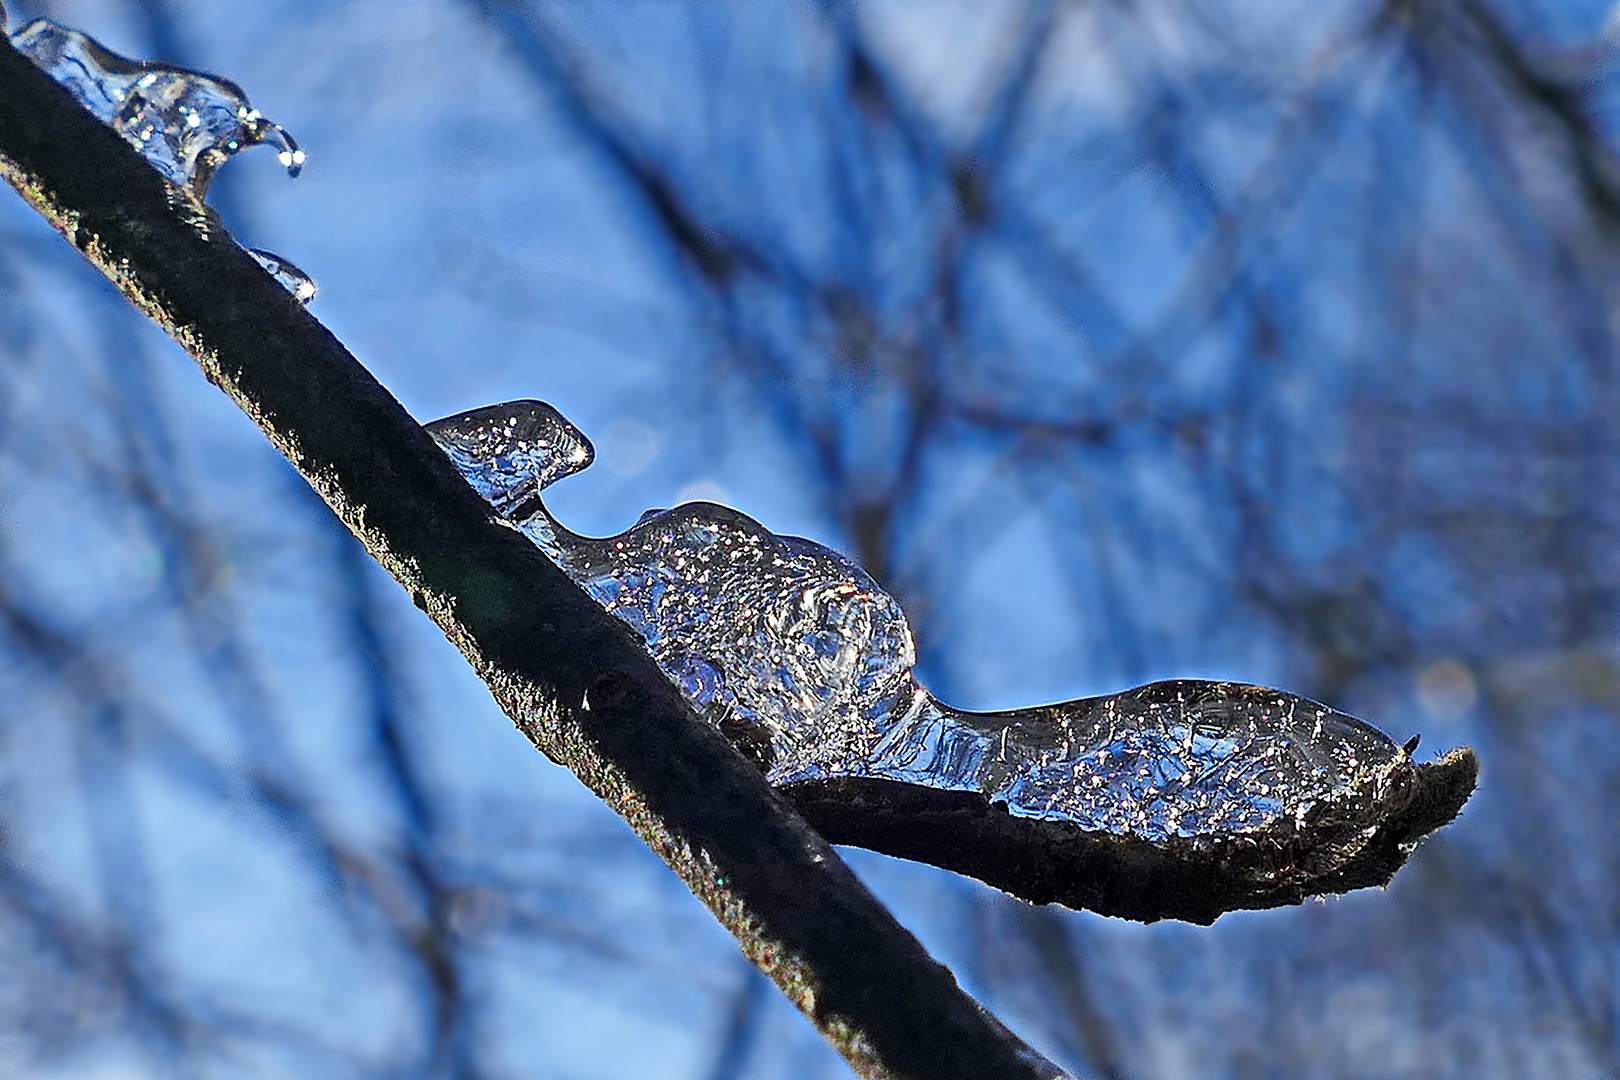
pixel 185 123
pixel 288 276
pixel 784 636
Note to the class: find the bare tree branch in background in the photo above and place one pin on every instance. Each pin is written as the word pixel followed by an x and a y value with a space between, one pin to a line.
pixel 571 678
pixel 1256 342
pixel 1406 207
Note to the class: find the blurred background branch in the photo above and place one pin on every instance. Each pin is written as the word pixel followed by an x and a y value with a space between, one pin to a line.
pixel 574 680
pixel 1120 340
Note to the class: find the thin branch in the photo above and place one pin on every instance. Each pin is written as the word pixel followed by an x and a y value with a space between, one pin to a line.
pixel 572 678
pixel 1195 879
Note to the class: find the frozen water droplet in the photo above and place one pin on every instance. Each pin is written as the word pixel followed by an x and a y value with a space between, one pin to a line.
pixel 291 156
pixel 509 452
pixel 288 276
pixel 792 638
pixel 185 123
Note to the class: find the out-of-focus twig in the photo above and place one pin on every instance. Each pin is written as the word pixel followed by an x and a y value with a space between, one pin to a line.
pixel 573 679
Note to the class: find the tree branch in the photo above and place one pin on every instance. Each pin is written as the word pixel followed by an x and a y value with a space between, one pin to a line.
pixel 573 679
pixel 1194 879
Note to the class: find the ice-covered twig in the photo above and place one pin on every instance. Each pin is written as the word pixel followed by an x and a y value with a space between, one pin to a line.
pixel 1228 795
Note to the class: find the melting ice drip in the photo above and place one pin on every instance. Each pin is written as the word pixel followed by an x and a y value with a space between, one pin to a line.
pixel 787 637
pixel 184 123
pixel 288 276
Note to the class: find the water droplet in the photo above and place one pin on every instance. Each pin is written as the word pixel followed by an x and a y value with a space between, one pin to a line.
pixel 288 276
pixel 805 645
pixel 184 123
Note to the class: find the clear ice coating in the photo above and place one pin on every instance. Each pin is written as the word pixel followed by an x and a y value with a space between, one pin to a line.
pixel 185 123
pixel 787 637
pixel 288 276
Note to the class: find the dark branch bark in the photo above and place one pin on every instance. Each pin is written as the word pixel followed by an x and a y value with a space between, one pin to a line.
pixel 1047 862
pixel 573 679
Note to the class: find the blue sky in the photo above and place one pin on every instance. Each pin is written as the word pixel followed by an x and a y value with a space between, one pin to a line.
pixel 1192 293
